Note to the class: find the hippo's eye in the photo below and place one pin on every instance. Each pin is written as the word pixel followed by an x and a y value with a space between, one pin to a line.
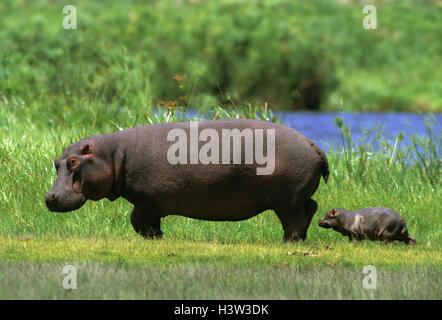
pixel 73 163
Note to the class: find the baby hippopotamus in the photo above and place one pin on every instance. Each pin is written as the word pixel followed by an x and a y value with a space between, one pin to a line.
pixel 372 223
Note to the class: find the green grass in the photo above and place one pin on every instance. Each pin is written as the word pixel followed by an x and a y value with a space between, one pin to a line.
pixel 171 251
pixel 113 281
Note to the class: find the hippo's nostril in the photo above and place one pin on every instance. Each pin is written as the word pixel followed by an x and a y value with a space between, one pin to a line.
pixel 50 197
pixel 51 202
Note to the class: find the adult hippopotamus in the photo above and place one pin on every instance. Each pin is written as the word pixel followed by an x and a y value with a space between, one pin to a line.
pixel 219 170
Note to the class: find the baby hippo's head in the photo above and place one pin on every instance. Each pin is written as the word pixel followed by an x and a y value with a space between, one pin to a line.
pixel 330 220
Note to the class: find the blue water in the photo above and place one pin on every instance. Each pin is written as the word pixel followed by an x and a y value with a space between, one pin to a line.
pixel 320 127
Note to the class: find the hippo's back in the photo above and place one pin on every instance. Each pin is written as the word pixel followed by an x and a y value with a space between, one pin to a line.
pixel 379 212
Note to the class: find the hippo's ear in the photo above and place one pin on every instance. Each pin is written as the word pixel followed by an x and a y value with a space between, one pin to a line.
pixel 334 211
pixel 86 149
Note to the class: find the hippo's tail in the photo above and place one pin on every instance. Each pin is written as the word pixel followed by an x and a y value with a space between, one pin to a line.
pixel 325 172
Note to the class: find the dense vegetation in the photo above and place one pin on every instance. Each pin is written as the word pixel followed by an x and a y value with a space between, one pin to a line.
pixel 290 54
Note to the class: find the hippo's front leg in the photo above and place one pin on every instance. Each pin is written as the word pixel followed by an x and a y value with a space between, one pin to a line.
pixel 145 222
pixel 353 236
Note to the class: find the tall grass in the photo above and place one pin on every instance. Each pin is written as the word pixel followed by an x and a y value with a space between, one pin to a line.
pixel 428 153
pixel 402 177
pixel 423 155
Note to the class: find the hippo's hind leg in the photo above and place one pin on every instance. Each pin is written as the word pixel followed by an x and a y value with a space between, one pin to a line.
pixel 146 224
pixel 310 207
pixel 294 222
pixel 396 230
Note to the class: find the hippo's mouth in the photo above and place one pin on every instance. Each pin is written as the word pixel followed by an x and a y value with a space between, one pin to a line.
pixel 65 204
pixel 323 224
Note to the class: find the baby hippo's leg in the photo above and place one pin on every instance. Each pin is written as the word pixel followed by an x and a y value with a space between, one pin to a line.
pixel 396 230
pixel 355 237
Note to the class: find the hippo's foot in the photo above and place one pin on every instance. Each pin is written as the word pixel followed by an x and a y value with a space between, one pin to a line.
pixel 148 232
pixel 294 222
pixel 146 225
pixel 151 233
pixel 353 237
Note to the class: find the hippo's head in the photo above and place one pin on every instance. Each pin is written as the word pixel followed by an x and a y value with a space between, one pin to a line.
pixel 330 220
pixel 83 173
